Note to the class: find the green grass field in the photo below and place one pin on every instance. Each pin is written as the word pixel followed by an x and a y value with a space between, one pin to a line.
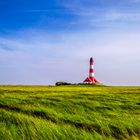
pixel 69 113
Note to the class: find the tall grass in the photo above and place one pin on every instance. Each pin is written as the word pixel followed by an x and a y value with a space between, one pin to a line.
pixel 69 112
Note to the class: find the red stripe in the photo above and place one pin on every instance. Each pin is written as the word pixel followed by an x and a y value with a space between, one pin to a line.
pixel 91 70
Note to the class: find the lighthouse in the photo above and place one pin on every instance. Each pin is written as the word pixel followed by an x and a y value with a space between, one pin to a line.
pixel 91 79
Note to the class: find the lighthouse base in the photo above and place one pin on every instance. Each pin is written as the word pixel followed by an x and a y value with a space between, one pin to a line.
pixel 90 80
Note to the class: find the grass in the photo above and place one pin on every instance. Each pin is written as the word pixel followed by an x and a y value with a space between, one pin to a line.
pixel 69 112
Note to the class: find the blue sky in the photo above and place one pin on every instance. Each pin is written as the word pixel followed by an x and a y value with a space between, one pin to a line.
pixel 42 42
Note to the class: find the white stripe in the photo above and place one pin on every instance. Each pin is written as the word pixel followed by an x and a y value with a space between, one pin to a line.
pixel 91 67
pixel 91 74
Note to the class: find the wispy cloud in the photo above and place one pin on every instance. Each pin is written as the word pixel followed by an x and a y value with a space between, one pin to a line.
pixel 41 11
pixel 103 13
pixel 6 44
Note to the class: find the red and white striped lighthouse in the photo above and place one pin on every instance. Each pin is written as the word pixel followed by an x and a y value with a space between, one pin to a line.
pixel 91 79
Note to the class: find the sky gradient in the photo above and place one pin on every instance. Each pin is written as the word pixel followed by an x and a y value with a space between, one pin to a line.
pixel 45 41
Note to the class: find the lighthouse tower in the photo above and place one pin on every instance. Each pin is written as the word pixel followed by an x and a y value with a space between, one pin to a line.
pixel 91 79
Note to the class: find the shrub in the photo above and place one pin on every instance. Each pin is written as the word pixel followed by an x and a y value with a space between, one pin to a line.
pixel 62 83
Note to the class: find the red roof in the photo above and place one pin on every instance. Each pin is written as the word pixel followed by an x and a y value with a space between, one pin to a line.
pixel 89 80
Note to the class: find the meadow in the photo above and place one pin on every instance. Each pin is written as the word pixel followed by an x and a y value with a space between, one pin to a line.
pixel 69 113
